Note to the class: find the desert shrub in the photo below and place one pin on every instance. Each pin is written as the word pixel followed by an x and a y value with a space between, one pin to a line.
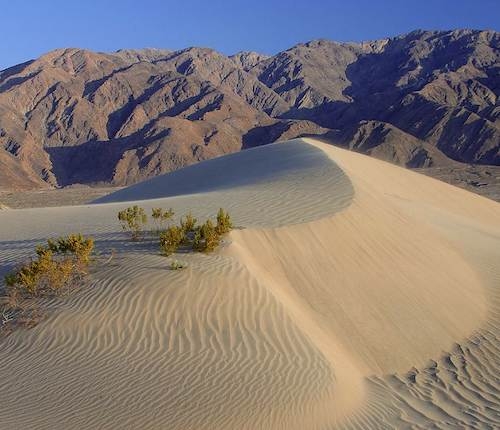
pixel 133 220
pixel 56 265
pixel 161 216
pixel 41 275
pixel 12 298
pixel 10 279
pixel 206 238
pixel 74 244
pixel 171 239
pixel 224 223
pixel 203 238
pixel 188 223
pixel 177 265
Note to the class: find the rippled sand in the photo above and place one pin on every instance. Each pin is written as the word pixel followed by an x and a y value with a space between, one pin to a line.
pixel 356 295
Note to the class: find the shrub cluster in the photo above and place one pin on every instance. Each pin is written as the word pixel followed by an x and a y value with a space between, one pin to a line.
pixel 203 238
pixel 188 223
pixel 134 220
pixel 57 264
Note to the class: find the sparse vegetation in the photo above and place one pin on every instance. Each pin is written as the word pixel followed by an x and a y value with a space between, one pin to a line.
pixel 171 239
pixel 203 238
pixel 41 276
pixel 133 220
pixel 177 265
pixel 160 217
pixel 59 265
pixel 74 244
pixel 224 223
pixel 206 238
pixel 188 223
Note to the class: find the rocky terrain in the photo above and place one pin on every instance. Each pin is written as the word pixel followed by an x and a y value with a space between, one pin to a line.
pixel 426 100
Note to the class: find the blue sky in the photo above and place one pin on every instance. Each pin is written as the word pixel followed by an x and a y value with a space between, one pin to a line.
pixel 32 27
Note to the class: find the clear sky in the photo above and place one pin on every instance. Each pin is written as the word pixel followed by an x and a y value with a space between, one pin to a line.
pixel 32 27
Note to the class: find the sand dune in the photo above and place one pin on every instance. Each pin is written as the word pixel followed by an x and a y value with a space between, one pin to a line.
pixel 357 295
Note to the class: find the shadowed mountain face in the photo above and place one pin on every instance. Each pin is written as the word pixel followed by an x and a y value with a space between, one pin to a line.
pixel 424 99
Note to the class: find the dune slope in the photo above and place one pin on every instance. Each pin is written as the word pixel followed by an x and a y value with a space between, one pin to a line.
pixel 356 295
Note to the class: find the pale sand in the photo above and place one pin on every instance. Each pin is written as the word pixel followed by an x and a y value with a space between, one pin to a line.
pixel 359 295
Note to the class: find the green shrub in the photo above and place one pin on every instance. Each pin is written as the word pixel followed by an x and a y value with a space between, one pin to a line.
pixel 224 223
pixel 170 239
pixel 133 219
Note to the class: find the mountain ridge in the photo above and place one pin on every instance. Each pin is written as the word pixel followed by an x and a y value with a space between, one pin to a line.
pixel 421 99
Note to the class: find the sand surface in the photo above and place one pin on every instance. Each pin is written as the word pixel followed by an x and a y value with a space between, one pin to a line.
pixel 355 294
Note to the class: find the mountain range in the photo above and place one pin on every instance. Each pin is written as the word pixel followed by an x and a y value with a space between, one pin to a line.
pixel 426 99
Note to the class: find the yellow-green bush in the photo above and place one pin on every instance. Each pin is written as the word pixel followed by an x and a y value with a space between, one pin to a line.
pixel 171 239
pixel 188 223
pixel 55 267
pixel 206 238
pixel 203 238
pixel 74 244
pixel 224 223
pixel 177 265
pixel 161 216
pixel 133 219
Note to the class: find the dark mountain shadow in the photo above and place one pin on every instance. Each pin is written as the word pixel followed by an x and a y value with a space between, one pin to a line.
pixel 117 118
pixel 263 135
pixel 457 129
pixel 91 162
pixel 94 162
pixel 14 70
pixel 92 86
pixel 8 84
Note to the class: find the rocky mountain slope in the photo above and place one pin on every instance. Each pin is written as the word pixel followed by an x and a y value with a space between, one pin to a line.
pixel 423 100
